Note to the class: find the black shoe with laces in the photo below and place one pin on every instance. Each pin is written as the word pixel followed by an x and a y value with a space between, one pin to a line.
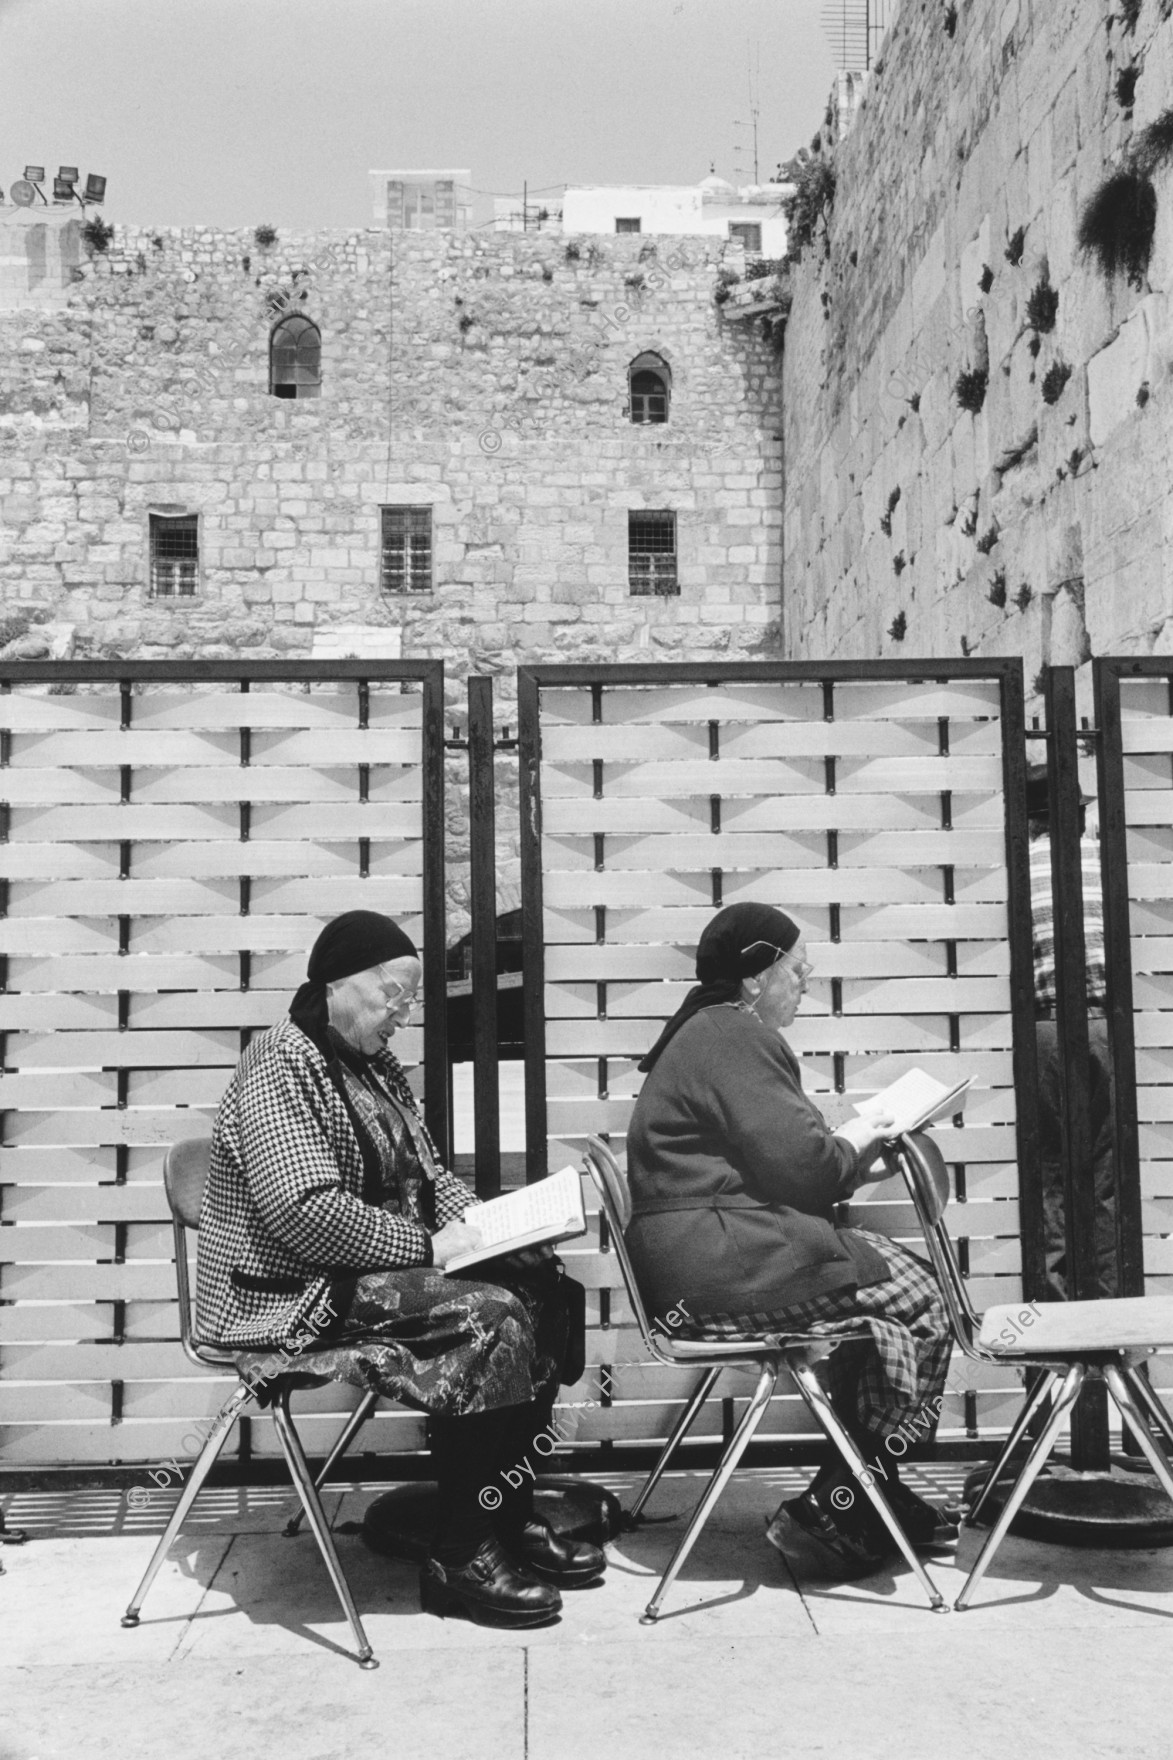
pixel 808 1537
pixel 490 1588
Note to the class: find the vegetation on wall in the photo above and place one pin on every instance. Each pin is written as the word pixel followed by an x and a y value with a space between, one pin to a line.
pixel 1014 247
pixel 813 196
pixel 1117 224
pixel 1054 379
pixel 970 388
pixel 898 628
pixel 265 235
pixel 97 234
pixel 1042 305
pixel 997 592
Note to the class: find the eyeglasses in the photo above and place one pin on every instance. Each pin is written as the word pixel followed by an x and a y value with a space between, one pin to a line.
pixel 399 1003
pixel 802 968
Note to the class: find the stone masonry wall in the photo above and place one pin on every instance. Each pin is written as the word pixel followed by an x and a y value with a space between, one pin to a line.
pixel 485 376
pixel 1038 525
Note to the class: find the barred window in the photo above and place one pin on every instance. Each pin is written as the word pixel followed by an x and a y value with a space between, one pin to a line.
pixel 651 553
pixel 295 358
pixel 750 234
pixel 631 224
pixel 407 549
pixel 175 556
pixel 649 381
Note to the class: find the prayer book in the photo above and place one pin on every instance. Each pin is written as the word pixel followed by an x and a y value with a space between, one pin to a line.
pixel 915 1100
pixel 549 1210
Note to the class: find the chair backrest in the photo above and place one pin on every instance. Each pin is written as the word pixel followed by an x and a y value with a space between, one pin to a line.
pixel 918 1158
pixel 609 1181
pixel 185 1174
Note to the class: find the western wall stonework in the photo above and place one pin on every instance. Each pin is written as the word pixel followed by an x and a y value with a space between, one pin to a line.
pixel 1040 524
pixel 482 375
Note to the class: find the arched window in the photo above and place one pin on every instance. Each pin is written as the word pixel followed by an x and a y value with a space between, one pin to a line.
pixel 649 386
pixel 295 358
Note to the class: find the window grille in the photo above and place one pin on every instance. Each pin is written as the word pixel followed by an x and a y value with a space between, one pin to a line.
pixel 407 549
pixel 749 233
pixel 651 553
pixel 175 556
pixel 295 358
pixel 632 224
pixel 648 392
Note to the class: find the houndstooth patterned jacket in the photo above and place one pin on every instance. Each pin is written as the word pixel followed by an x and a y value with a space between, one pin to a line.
pixel 283 1211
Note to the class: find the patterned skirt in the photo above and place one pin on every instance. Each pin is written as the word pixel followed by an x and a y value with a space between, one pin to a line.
pixel 446 1345
pixel 897 1374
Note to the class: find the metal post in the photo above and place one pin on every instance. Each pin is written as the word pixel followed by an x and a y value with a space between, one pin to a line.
pixel 1089 1420
pixel 529 749
pixel 483 881
pixel 436 1111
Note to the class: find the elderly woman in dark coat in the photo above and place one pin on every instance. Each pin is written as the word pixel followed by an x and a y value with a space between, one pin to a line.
pixel 734 1176
pixel 329 1217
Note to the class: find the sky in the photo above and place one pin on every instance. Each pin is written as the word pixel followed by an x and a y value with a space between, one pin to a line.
pixel 237 112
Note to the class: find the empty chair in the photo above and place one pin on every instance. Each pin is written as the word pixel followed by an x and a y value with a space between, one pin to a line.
pixel 1070 1342
pixel 769 1356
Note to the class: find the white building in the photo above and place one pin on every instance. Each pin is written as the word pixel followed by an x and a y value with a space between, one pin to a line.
pixel 751 216
pixel 422 201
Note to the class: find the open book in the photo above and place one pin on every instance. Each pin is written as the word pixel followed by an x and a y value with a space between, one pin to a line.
pixel 915 1100
pixel 549 1210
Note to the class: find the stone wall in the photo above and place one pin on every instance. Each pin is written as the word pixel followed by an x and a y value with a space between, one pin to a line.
pixel 484 376
pixel 1038 524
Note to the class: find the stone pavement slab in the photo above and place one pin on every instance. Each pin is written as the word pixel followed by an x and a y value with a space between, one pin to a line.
pixel 243 1648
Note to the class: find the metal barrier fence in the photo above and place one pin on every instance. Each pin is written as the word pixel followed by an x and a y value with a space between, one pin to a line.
pixel 171 838
pixel 883 806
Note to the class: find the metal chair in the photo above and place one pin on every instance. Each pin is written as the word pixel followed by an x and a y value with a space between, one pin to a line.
pixel 1070 1342
pixel 185 1174
pixel 769 1356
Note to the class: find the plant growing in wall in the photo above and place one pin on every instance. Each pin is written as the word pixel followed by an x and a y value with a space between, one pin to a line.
pixel 1117 224
pixel 1042 304
pixel 969 388
pixel 1142 394
pixel 572 252
pixel 1024 595
pixel 1054 379
pixel 1129 13
pixel 997 592
pixel 950 20
pixel 898 563
pixel 727 280
pixel 813 196
pixel 1015 245
pixel 898 628
pixel 987 540
pixel 97 234
pixel 264 236
pixel 1153 146
pixel 1125 87
pixel 985 279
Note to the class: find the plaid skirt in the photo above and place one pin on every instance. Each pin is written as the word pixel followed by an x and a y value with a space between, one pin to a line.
pixel 446 1345
pixel 881 1382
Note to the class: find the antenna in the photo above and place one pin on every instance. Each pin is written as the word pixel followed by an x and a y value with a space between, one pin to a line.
pixel 753 78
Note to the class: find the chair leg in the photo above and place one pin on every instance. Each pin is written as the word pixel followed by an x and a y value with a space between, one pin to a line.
pixel 1068 1394
pixel 1149 1401
pixel 1122 1384
pixel 754 1411
pixel 683 1425
pixel 217 1437
pixel 1030 1406
pixel 350 1430
pixel 815 1395
pixel 303 1479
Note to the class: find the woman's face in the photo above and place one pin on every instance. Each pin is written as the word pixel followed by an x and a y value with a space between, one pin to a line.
pixel 369 1006
pixel 783 986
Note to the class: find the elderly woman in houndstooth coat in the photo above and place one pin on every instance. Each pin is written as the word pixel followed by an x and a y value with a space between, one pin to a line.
pixel 327 1207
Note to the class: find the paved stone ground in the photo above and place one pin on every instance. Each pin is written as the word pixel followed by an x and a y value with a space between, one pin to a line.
pixel 242 1650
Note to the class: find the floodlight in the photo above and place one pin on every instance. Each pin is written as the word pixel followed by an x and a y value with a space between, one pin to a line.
pixel 34 173
pixel 62 189
pixel 67 173
pixel 95 188
pixel 23 193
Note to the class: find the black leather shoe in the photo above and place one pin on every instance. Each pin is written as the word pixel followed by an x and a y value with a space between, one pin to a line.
pixel 489 1589
pixel 928 1528
pixel 809 1539
pixel 569 1563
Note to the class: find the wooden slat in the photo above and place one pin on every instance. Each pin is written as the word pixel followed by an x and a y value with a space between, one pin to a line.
pixel 132 1125
pixel 83 1203
pixel 125 972
pixel 90 898
pixel 127 1050
pixel 117 746
pixel 121 822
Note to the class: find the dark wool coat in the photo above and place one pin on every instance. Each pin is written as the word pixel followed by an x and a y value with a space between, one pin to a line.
pixel 283 1213
pixel 733 1175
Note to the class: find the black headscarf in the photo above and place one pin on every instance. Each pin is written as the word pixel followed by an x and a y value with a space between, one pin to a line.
pixel 741 940
pixel 352 943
